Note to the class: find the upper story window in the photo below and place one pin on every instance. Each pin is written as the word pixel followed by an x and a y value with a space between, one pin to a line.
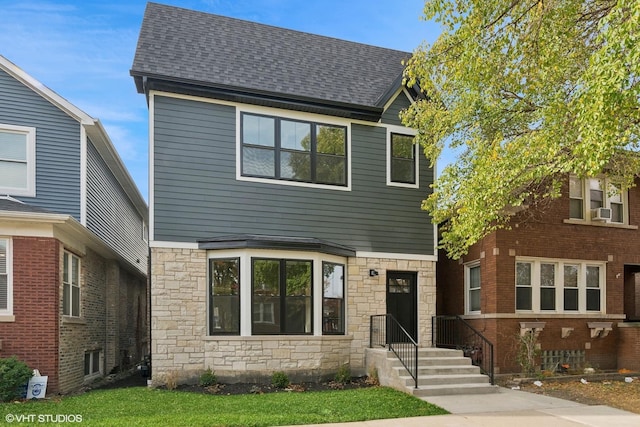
pixel 6 293
pixel 70 285
pixel 472 287
pixel 402 160
pixel 293 150
pixel 597 199
pixel 17 160
pixel 559 286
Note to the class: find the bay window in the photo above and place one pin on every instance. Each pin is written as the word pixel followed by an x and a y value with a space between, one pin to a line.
pixel 70 285
pixel 473 286
pixel 6 292
pixel 333 298
pixel 224 296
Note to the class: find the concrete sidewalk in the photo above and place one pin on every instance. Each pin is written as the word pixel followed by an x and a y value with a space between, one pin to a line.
pixel 509 408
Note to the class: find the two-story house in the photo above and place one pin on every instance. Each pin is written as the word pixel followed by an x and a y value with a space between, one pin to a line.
pixel 285 198
pixel 73 250
pixel 567 274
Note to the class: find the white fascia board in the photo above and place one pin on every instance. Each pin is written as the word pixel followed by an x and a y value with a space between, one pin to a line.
pixel 48 94
pixel 411 257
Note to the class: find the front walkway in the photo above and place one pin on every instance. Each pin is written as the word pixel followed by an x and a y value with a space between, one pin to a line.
pixel 509 408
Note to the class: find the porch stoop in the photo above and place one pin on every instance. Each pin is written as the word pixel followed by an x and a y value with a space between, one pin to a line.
pixel 440 372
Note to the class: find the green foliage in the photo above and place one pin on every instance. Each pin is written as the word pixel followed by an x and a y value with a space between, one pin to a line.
pixel 343 376
pixel 279 380
pixel 13 375
pixel 525 93
pixel 208 378
pixel 142 406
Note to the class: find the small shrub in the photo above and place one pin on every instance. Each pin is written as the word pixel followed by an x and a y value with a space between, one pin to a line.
pixel 13 375
pixel 372 377
pixel 208 378
pixel 279 379
pixel 172 380
pixel 343 376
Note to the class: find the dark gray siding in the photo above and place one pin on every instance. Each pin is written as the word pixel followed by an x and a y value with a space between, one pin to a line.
pixel 110 213
pixel 197 196
pixel 57 146
pixel 391 114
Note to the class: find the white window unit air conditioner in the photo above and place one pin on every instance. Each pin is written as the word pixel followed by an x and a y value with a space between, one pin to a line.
pixel 601 214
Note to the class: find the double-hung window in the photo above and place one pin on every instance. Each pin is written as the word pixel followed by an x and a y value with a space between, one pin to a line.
pixel 6 294
pixel 596 199
pixel 473 286
pixel 544 285
pixel 293 150
pixel 402 162
pixel 282 296
pixel 17 160
pixel 71 285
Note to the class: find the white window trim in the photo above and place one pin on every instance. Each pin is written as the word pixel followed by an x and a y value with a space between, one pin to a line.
pixel 409 132
pixel 9 311
pixel 586 203
pixel 559 285
pixel 30 189
pixel 246 308
pixel 99 373
pixel 286 114
pixel 467 282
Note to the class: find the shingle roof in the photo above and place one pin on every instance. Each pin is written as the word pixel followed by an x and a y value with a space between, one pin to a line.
pixel 9 205
pixel 199 48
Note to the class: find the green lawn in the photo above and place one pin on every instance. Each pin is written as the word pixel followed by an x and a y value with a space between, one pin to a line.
pixel 152 407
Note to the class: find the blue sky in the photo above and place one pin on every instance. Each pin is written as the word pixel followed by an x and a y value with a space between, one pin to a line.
pixel 83 50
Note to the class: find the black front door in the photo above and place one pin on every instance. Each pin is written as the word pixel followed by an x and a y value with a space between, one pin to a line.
pixel 402 300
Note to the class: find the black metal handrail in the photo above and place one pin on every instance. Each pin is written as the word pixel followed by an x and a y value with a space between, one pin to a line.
pixel 455 332
pixel 385 330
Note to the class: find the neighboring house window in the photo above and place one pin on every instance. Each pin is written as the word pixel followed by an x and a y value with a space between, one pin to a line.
pixel 559 286
pixel 6 289
pixel 473 285
pixel 17 160
pixel 540 277
pixel 71 285
pixel 92 363
pixel 224 296
pixel 596 199
pixel 293 150
pixel 282 296
pixel 402 162
pixel 333 298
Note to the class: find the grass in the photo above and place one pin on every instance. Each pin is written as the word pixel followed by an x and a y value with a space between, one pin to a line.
pixel 152 407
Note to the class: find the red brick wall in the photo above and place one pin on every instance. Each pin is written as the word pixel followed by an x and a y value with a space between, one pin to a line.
pixel 545 234
pixel 33 337
pixel 629 348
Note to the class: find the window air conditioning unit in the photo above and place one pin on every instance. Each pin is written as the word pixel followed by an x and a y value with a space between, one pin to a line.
pixel 601 214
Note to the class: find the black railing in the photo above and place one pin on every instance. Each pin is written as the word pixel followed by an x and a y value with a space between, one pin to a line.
pixel 384 330
pixel 455 332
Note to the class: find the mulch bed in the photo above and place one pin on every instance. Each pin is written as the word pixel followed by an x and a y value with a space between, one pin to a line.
pixel 136 380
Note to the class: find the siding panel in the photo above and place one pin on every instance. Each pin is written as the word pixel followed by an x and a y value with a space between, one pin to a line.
pixel 57 146
pixel 110 213
pixel 391 114
pixel 196 194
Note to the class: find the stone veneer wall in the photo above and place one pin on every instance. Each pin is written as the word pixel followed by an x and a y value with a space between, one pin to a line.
pixel 366 296
pixel 181 349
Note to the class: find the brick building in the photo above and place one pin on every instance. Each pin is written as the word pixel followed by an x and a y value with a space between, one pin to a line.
pixel 568 274
pixel 73 254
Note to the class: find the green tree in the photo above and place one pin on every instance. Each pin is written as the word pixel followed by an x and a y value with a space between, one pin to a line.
pixel 525 92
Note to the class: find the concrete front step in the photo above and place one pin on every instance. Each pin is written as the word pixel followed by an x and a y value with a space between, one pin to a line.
pixel 435 361
pixel 441 370
pixel 447 379
pixel 454 389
